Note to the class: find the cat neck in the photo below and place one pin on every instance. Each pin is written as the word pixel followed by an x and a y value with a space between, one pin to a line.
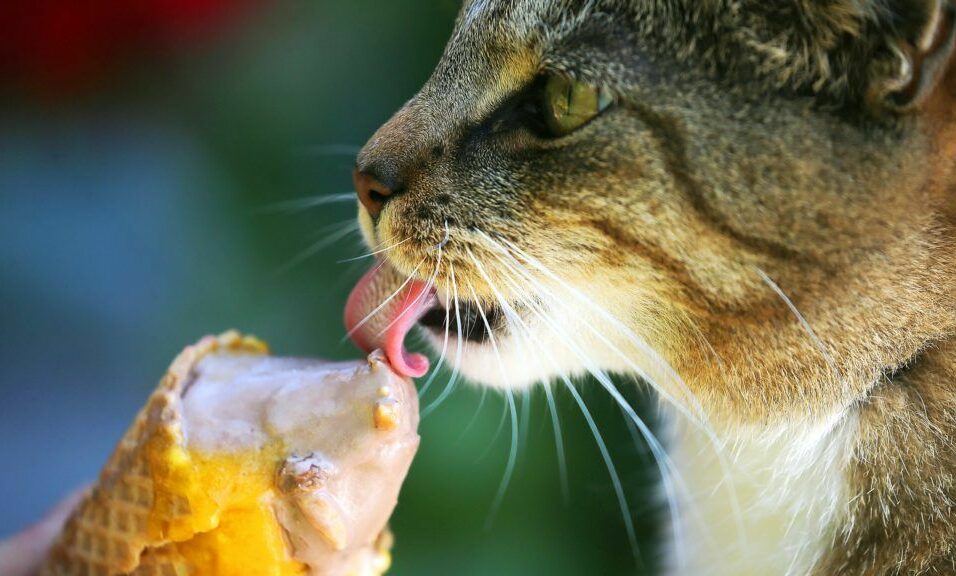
pixel 760 499
pixel 824 497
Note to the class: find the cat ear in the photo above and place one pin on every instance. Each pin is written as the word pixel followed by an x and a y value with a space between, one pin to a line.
pixel 921 55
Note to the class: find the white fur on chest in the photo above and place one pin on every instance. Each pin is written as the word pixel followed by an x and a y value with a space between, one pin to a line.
pixel 768 507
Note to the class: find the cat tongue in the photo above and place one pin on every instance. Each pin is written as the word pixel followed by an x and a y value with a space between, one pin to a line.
pixel 381 310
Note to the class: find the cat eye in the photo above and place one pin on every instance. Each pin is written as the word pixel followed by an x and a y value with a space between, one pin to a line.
pixel 569 105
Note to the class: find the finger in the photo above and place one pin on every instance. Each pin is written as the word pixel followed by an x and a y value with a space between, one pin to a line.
pixel 22 554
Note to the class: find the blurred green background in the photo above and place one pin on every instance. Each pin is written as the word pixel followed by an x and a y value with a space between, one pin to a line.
pixel 149 206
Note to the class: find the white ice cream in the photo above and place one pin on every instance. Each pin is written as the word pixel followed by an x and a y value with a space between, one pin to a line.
pixel 349 432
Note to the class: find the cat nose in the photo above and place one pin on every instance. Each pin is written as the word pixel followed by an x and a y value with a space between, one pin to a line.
pixel 372 193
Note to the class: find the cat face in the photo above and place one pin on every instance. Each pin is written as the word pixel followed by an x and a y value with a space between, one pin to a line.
pixel 726 199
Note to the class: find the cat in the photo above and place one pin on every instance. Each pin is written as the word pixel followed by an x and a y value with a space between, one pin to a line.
pixel 750 205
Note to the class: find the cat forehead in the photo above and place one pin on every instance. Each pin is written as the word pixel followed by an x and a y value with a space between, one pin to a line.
pixel 522 20
pixel 509 20
pixel 790 45
pixel 525 15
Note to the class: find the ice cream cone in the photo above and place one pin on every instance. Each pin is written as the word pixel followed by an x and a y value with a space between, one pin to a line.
pixel 243 464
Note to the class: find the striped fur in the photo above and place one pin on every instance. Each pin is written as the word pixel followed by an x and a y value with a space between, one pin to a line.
pixel 770 208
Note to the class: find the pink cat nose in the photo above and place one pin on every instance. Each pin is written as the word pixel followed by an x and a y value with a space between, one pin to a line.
pixel 372 193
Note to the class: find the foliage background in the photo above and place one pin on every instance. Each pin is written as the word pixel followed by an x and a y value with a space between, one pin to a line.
pixel 138 211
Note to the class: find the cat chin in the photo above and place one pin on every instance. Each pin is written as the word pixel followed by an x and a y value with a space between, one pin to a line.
pixel 512 362
pixel 506 368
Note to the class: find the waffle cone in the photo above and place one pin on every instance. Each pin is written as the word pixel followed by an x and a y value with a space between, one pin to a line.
pixel 150 513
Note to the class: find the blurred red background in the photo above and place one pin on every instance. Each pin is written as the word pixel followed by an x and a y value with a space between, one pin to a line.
pixel 58 47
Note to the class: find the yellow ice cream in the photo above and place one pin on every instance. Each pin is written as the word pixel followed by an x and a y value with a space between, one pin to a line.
pixel 242 463
pixel 233 526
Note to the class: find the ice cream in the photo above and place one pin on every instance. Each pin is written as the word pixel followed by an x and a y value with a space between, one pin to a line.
pixel 242 463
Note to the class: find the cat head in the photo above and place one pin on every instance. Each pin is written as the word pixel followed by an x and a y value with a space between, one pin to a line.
pixel 748 203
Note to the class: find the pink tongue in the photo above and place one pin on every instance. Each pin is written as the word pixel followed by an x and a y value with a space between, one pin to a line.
pixel 374 323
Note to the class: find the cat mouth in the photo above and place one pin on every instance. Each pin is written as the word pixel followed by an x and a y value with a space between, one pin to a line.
pixel 384 306
pixel 470 321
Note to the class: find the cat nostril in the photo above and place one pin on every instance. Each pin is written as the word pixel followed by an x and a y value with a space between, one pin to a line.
pixel 371 192
pixel 377 197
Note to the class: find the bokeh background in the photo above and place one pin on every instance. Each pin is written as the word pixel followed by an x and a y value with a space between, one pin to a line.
pixel 172 168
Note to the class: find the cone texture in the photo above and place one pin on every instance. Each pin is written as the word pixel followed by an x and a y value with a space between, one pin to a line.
pixel 148 502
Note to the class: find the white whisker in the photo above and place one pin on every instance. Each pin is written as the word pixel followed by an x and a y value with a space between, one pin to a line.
pixel 700 421
pixel 375 253
pixel 384 303
pixel 514 321
pixel 668 473
pixel 513 454
pixel 699 418
pixel 318 246
pixel 498 429
pixel 474 417
pixel 301 204
pixel 525 419
pixel 803 323
pixel 612 471
pixel 450 386
pixel 558 443
pixel 444 349
pixel 510 466
pixel 596 433
pixel 422 295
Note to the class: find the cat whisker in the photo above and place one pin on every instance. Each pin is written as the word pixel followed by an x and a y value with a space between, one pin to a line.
pixel 444 349
pixel 634 340
pixel 670 478
pixel 602 447
pixel 423 294
pixel 453 380
pixel 525 419
pixel 558 443
pixel 700 422
pixel 635 435
pixel 384 303
pixel 513 454
pixel 514 322
pixel 835 372
pixel 517 327
pixel 612 471
pixel 340 232
pixel 474 417
pixel 509 467
pixel 498 429
pixel 444 241
pixel 665 467
pixel 302 204
pixel 374 253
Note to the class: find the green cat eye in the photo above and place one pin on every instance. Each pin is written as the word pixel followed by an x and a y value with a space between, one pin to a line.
pixel 569 105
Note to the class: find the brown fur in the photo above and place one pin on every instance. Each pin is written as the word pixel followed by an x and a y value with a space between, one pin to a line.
pixel 750 137
pixel 903 520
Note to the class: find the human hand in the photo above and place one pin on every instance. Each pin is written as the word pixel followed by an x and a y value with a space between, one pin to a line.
pixel 22 554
